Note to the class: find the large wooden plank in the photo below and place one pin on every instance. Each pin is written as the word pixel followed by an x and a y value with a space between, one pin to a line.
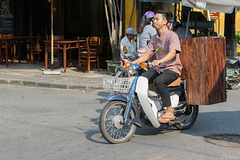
pixel 203 60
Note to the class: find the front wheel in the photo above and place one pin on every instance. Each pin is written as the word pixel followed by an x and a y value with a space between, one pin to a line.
pixel 188 118
pixel 111 123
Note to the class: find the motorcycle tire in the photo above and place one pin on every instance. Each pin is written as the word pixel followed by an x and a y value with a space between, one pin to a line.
pixel 111 123
pixel 189 118
pixel 235 86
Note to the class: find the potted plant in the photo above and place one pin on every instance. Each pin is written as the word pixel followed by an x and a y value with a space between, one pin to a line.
pixel 113 13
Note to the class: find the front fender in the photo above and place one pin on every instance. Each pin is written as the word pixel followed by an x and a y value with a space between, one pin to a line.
pixel 121 97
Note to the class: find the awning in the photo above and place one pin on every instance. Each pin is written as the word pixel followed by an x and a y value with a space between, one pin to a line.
pixel 225 6
pixel 166 1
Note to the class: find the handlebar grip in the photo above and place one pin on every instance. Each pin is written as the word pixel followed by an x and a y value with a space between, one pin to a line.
pixel 150 64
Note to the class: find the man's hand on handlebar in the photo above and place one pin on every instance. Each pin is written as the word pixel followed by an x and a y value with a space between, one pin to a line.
pixel 156 63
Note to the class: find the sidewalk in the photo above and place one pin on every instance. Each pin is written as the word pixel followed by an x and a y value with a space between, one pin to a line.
pixel 26 74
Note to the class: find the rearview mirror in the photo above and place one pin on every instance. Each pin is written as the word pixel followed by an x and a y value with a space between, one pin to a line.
pixel 158 48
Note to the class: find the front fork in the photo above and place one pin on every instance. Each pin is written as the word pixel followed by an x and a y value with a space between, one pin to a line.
pixel 131 103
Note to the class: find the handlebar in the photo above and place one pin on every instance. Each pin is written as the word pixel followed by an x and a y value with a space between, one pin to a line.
pixel 138 65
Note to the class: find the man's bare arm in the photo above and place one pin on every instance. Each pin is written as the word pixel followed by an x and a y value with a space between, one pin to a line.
pixel 141 59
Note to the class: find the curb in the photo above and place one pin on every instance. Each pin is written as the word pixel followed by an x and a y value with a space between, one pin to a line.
pixel 50 85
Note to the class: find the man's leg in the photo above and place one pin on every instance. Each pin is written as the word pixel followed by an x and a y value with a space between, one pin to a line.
pixel 150 75
pixel 161 83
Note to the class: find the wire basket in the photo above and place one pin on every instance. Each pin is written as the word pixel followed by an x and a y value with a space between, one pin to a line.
pixel 120 85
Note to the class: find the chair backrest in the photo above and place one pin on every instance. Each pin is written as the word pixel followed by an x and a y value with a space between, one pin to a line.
pixel 93 43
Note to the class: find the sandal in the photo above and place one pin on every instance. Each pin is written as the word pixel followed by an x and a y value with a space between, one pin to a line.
pixel 166 119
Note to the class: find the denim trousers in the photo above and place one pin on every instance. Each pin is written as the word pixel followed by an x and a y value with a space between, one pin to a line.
pixel 161 82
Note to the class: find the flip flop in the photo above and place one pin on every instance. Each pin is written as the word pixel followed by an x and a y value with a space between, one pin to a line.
pixel 166 119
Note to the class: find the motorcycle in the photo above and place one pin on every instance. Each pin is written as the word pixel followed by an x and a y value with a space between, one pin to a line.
pixel 232 73
pixel 133 105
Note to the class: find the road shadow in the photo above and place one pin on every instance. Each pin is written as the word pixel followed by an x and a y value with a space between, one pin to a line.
pixel 103 95
pixel 95 136
pixel 150 130
pixel 224 124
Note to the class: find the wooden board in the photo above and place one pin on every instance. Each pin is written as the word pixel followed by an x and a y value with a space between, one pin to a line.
pixel 203 60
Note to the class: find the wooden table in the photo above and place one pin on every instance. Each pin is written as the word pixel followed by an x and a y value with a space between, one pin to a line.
pixel 18 40
pixel 61 45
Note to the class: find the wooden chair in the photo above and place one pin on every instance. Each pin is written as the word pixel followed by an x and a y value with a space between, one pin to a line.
pixel 38 48
pixel 11 48
pixel 89 54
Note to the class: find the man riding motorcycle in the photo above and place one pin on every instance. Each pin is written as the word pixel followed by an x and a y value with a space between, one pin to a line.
pixel 167 66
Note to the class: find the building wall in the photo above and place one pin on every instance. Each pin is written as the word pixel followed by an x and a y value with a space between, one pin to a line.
pixel 237 21
pixel 128 12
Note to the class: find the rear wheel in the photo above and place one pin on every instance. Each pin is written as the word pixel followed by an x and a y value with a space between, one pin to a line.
pixel 235 86
pixel 111 123
pixel 188 118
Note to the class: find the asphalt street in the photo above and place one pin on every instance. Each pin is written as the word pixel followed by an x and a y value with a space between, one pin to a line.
pixel 59 124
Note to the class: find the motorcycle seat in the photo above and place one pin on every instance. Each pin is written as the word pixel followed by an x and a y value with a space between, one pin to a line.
pixel 175 83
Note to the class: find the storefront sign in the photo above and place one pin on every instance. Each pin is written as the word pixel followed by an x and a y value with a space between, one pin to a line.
pixel 201 4
pixel 214 15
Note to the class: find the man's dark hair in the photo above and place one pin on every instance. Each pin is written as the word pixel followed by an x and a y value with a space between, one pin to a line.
pixel 167 15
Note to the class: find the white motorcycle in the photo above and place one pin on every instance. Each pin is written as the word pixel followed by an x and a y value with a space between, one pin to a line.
pixel 133 105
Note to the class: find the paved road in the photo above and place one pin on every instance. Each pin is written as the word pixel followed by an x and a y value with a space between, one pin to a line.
pixel 58 124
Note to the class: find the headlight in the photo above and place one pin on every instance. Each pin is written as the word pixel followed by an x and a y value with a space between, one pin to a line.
pixel 132 69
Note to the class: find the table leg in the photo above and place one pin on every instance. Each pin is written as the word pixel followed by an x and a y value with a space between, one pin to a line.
pixel 14 51
pixel 31 52
pixel 1 54
pixel 70 57
pixel 28 54
pixel 6 51
pixel 64 57
pixel 46 57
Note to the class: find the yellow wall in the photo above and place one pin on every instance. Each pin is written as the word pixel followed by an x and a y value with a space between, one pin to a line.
pixel 237 24
pixel 220 23
pixel 128 11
